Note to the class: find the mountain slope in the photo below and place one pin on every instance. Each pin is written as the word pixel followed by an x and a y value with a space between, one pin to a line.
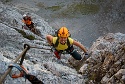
pixel 39 62
pixel 105 65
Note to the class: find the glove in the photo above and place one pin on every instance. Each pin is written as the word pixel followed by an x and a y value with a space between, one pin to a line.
pixel 86 53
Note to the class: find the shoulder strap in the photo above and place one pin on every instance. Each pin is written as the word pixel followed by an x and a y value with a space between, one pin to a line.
pixel 68 43
pixel 57 42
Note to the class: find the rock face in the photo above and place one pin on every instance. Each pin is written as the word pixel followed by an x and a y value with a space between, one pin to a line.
pixel 38 62
pixel 106 64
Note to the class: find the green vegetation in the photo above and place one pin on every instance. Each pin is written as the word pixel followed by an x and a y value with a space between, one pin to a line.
pixel 71 10
pixel 86 8
pixel 93 76
pixel 54 8
pixel 75 9
pixel 5 1
pixel 81 8
pixel 57 7
pixel 30 37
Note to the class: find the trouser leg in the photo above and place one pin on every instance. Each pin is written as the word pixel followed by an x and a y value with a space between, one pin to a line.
pixel 74 53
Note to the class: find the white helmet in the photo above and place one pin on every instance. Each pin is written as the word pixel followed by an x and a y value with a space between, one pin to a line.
pixel 24 15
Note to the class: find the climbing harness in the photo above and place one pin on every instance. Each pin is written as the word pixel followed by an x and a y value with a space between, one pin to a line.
pixel 22 55
pixel 19 67
pixel 20 70
pixel 17 71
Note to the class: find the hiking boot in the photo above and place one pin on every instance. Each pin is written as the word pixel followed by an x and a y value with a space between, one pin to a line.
pixel 57 54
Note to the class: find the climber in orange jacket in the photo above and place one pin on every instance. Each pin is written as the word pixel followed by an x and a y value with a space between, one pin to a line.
pixel 28 23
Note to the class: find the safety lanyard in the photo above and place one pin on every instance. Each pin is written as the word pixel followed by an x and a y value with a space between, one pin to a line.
pixel 17 71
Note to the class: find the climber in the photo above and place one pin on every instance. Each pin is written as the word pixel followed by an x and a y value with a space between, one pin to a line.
pixel 63 42
pixel 28 23
pixel 24 73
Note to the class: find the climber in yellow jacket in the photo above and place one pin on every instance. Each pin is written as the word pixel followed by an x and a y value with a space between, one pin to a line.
pixel 63 42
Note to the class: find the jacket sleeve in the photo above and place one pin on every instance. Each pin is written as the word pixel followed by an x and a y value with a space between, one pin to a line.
pixel 33 79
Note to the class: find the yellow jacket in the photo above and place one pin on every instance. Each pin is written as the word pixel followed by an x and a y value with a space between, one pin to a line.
pixel 61 46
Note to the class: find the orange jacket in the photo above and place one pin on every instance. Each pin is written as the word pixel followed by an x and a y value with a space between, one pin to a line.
pixel 27 22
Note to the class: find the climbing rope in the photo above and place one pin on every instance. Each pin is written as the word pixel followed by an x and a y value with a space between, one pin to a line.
pixel 40 48
pixel 22 55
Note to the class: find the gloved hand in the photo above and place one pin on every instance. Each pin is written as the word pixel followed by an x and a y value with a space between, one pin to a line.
pixel 86 55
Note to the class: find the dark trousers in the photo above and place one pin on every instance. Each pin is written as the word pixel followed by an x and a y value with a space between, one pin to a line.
pixel 73 53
